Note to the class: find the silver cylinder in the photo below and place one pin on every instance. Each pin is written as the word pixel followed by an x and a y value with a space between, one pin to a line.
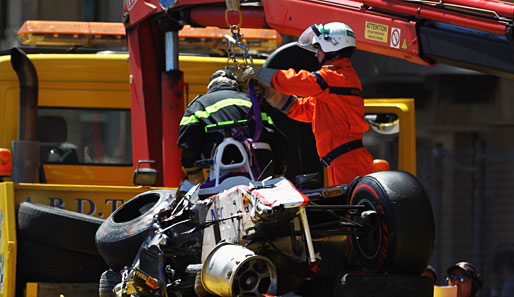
pixel 233 270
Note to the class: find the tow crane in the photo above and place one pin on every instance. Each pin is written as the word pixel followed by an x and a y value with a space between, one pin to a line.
pixel 474 34
pixel 467 33
pixel 93 182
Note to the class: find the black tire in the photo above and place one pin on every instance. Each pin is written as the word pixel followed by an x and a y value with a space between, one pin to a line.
pixel 290 55
pixel 58 227
pixel 403 238
pixel 108 280
pixel 118 239
pixel 299 134
pixel 41 263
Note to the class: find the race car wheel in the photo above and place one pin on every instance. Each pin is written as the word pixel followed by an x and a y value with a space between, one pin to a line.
pixel 57 227
pixel 401 238
pixel 108 280
pixel 119 237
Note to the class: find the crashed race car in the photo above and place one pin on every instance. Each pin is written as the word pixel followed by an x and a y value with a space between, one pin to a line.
pixel 266 237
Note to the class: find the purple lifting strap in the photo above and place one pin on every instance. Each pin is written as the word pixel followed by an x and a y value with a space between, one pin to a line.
pixel 255 112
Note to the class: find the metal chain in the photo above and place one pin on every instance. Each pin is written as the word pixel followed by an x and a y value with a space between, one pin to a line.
pixel 235 40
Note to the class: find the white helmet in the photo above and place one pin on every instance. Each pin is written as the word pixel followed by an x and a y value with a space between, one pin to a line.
pixel 331 37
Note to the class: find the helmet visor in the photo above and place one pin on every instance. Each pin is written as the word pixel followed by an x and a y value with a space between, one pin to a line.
pixel 308 39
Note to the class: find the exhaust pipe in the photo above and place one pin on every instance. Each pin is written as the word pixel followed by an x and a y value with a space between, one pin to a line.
pixel 232 270
pixel 25 167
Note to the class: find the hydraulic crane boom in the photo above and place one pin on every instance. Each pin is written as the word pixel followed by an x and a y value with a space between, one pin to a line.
pixel 475 34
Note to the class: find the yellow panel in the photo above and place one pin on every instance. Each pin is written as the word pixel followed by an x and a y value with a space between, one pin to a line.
pixel 9 120
pixel 404 109
pixel 82 95
pixel 31 290
pixel 89 175
pixel 7 74
pixel 445 291
pixel 99 201
pixel 7 240
pixel 111 68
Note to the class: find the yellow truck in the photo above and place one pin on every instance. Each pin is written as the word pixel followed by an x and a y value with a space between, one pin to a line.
pixel 84 165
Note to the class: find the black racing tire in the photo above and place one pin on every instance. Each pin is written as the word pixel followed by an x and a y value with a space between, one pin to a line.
pixel 299 134
pixel 108 280
pixel 42 263
pixel 290 55
pixel 402 240
pixel 57 227
pixel 118 239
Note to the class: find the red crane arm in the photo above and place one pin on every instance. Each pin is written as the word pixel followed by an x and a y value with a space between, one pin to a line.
pixel 419 31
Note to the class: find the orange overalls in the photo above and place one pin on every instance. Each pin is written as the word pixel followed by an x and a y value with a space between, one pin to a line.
pixel 331 100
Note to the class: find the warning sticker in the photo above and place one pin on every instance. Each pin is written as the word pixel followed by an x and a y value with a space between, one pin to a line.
pixel 377 32
pixel 130 4
pixel 404 44
pixel 395 37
